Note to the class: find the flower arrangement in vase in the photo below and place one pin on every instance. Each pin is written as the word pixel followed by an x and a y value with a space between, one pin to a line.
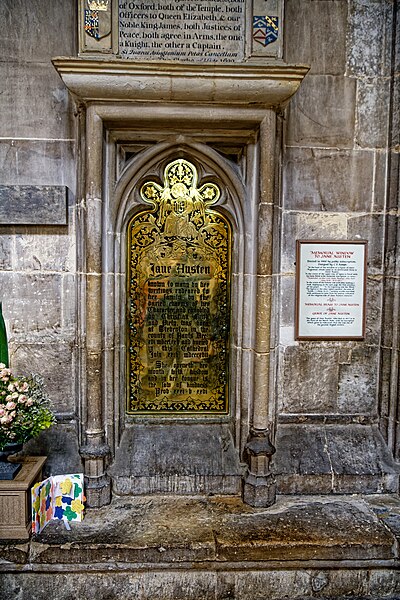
pixel 25 411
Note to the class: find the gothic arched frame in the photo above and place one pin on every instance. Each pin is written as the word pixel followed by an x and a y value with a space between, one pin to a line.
pixel 212 167
pixel 118 100
pixel 111 201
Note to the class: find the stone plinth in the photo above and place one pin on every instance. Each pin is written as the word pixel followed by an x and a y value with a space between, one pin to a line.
pixel 178 459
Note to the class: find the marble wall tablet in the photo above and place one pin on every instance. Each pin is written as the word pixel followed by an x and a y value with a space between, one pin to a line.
pixel 184 30
pixel 216 31
pixel 33 205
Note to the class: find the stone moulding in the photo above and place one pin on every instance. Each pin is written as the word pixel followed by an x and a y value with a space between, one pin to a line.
pixel 270 85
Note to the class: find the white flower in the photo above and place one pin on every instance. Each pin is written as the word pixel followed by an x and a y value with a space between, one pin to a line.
pixel 22 387
pixel 22 399
pixel 10 387
pixel 14 395
pixel 2 366
pixel 29 402
pixel 10 405
pixel 5 374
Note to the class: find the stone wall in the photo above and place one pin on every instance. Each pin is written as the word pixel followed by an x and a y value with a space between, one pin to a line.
pixel 38 263
pixel 338 182
pixel 336 170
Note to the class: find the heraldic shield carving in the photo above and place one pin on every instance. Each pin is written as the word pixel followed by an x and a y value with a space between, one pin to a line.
pixel 97 18
pixel 178 298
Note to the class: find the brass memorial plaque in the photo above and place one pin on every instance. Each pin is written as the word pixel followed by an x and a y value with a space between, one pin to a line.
pixel 178 298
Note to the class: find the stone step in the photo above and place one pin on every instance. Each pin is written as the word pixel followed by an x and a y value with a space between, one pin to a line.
pixel 170 547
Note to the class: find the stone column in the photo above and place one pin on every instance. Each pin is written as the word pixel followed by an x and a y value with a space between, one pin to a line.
pixel 260 487
pixel 95 451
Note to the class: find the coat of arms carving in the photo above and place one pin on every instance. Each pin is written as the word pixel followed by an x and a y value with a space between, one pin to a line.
pixel 97 18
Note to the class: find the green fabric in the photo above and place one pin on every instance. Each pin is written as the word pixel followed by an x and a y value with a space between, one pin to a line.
pixel 3 340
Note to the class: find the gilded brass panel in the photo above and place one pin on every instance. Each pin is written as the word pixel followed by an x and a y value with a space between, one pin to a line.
pixel 178 298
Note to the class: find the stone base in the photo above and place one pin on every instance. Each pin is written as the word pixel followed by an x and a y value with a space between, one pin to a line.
pixel 177 459
pixel 214 548
pixel 207 584
pixel 98 491
pixel 259 491
pixel 333 459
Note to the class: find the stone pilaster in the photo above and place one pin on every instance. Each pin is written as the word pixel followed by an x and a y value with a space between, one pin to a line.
pixel 95 451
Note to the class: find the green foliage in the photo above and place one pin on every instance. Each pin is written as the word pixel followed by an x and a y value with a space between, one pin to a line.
pixel 3 340
pixel 25 409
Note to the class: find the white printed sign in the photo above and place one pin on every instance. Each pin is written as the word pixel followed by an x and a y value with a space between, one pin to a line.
pixel 330 286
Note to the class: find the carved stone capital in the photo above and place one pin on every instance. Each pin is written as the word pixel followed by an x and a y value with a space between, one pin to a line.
pixel 259 444
pixel 90 451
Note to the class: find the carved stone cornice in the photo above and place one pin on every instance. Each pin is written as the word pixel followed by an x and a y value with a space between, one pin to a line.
pixel 268 86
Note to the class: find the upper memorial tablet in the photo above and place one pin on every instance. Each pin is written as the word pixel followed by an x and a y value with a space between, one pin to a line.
pixel 198 31
pixel 216 31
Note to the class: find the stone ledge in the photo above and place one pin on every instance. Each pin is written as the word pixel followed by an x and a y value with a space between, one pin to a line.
pixel 160 531
pixel 270 85
pixel 214 548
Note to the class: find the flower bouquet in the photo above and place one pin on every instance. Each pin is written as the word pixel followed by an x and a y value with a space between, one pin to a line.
pixel 24 410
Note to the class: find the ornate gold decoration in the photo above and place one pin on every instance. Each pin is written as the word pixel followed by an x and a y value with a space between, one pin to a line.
pixel 178 298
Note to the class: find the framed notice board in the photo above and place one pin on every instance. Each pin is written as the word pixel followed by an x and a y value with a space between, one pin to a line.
pixel 330 289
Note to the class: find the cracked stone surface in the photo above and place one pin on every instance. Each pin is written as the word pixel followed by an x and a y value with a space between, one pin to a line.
pixel 217 548
pixel 175 529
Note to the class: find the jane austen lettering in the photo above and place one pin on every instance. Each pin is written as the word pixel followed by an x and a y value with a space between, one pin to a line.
pixel 178 290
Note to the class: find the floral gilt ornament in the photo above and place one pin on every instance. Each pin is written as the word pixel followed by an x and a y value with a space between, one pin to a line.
pixel 178 297
pixel 57 498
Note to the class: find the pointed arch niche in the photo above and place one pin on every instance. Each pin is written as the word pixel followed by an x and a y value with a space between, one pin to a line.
pixel 134 119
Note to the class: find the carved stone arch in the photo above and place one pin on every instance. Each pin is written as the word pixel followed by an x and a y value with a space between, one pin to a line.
pixel 183 147
pixel 125 202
